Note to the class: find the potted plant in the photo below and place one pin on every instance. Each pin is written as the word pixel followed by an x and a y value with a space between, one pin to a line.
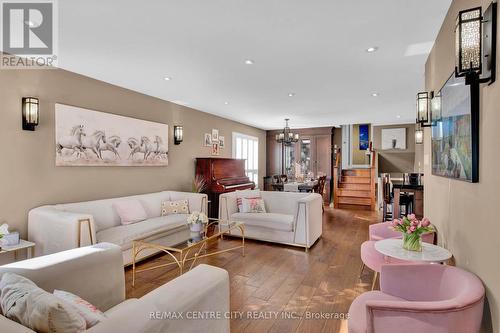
pixel 412 230
pixel 199 185
pixel 196 221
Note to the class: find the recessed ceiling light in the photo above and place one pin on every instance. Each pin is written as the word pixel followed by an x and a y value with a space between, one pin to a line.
pixel 167 78
pixel 375 94
pixel 372 49
pixel 291 94
pixel 226 103
pixel 398 116
pixel 249 62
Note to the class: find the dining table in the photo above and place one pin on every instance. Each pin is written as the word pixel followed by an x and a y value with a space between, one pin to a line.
pixel 307 186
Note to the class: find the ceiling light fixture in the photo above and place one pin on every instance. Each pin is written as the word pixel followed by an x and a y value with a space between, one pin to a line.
pixel 398 116
pixel 226 103
pixel 167 78
pixel 249 62
pixel 375 94
pixel 372 49
pixel 291 94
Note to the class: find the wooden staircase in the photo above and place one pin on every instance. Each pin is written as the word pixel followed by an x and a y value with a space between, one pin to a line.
pixel 354 188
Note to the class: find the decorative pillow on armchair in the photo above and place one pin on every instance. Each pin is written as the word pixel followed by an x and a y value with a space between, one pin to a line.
pixel 247 194
pixel 89 312
pixel 174 207
pixel 24 302
pixel 252 205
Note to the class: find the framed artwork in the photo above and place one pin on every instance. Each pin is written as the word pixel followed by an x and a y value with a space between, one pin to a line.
pixel 92 138
pixel 455 139
pixel 222 142
pixel 215 135
pixel 207 140
pixel 364 137
pixel 394 138
pixel 215 149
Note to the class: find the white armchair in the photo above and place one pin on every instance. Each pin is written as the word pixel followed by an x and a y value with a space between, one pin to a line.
pixel 95 273
pixel 291 218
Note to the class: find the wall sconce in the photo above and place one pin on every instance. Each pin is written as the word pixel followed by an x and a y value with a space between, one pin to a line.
pixel 423 108
pixel 428 109
pixel 178 134
pixel 419 135
pixel 30 106
pixel 475 38
pixel 435 108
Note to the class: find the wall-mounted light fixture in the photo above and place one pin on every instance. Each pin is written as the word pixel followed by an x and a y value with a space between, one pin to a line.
pixel 436 114
pixel 178 134
pixel 475 38
pixel 428 109
pixel 423 117
pixel 419 135
pixel 30 113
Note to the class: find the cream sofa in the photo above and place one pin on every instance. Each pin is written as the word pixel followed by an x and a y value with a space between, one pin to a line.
pixel 65 226
pixel 95 273
pixel 291 218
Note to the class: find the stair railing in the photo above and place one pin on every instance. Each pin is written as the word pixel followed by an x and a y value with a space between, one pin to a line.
pixel 373 179
pixel 337 177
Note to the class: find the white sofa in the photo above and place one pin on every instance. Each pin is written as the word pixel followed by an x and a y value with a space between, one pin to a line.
pixel 291 218
pixel 61 227
pixel 95 273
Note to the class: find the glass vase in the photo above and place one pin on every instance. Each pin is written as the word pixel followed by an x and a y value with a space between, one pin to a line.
pixel 412 242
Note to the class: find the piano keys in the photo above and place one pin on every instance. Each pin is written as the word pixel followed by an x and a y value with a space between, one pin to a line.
pixel 222 175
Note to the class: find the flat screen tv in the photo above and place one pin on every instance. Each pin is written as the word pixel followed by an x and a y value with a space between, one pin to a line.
pixel 455 147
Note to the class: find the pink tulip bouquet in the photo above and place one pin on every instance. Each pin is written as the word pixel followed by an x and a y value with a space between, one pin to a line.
pixel 412 230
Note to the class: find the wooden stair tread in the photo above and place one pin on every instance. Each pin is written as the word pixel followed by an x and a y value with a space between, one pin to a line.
pixel 342 192
pixel 355 180
pixel 354 201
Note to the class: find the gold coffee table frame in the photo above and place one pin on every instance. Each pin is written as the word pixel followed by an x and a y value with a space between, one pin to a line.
pixel 180 255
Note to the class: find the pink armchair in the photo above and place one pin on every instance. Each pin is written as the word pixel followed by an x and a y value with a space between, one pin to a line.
pixel 420 298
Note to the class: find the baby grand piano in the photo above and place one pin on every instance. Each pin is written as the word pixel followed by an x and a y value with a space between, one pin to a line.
pixel 222 175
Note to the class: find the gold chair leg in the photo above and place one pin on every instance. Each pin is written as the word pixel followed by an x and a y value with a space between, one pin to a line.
pixel 375 275
pixel 362 269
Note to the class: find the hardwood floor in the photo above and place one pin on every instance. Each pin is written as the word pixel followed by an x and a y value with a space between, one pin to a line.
pixel 291 287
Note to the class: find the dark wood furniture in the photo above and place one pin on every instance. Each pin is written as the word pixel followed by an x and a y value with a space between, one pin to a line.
pixel 222 175
pixel 302 187
pixel 417 202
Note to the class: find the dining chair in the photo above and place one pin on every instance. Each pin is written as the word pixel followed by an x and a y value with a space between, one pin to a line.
pixel 321 188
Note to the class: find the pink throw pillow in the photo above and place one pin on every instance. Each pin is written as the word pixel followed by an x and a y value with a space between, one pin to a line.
pixel 130 211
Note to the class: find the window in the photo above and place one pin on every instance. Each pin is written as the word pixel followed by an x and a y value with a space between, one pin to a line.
pixel 247 148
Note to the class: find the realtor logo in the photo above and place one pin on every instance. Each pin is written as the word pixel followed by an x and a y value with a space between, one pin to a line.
pixel 28 34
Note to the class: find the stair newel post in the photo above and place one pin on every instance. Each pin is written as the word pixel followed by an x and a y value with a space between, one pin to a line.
pixel 337 176
pixel 373 179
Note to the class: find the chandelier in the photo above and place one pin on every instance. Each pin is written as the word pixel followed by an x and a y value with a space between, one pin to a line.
pixel 287 137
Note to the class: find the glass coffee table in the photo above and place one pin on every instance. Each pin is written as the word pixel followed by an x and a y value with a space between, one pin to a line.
pixel 192 248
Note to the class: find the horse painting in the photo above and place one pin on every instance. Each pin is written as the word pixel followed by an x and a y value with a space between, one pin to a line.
pixel 92 138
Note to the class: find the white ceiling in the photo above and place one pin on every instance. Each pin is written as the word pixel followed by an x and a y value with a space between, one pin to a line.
pixel 315 49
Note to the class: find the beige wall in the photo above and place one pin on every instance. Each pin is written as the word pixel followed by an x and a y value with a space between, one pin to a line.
pixel 28 174
pixel 466 214
pixel 398 160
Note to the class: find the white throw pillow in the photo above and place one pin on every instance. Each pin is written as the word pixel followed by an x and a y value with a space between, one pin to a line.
pixel 245 194
pixel 130 211
pixel 22 301
pixel 89 312
pixel 252 205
